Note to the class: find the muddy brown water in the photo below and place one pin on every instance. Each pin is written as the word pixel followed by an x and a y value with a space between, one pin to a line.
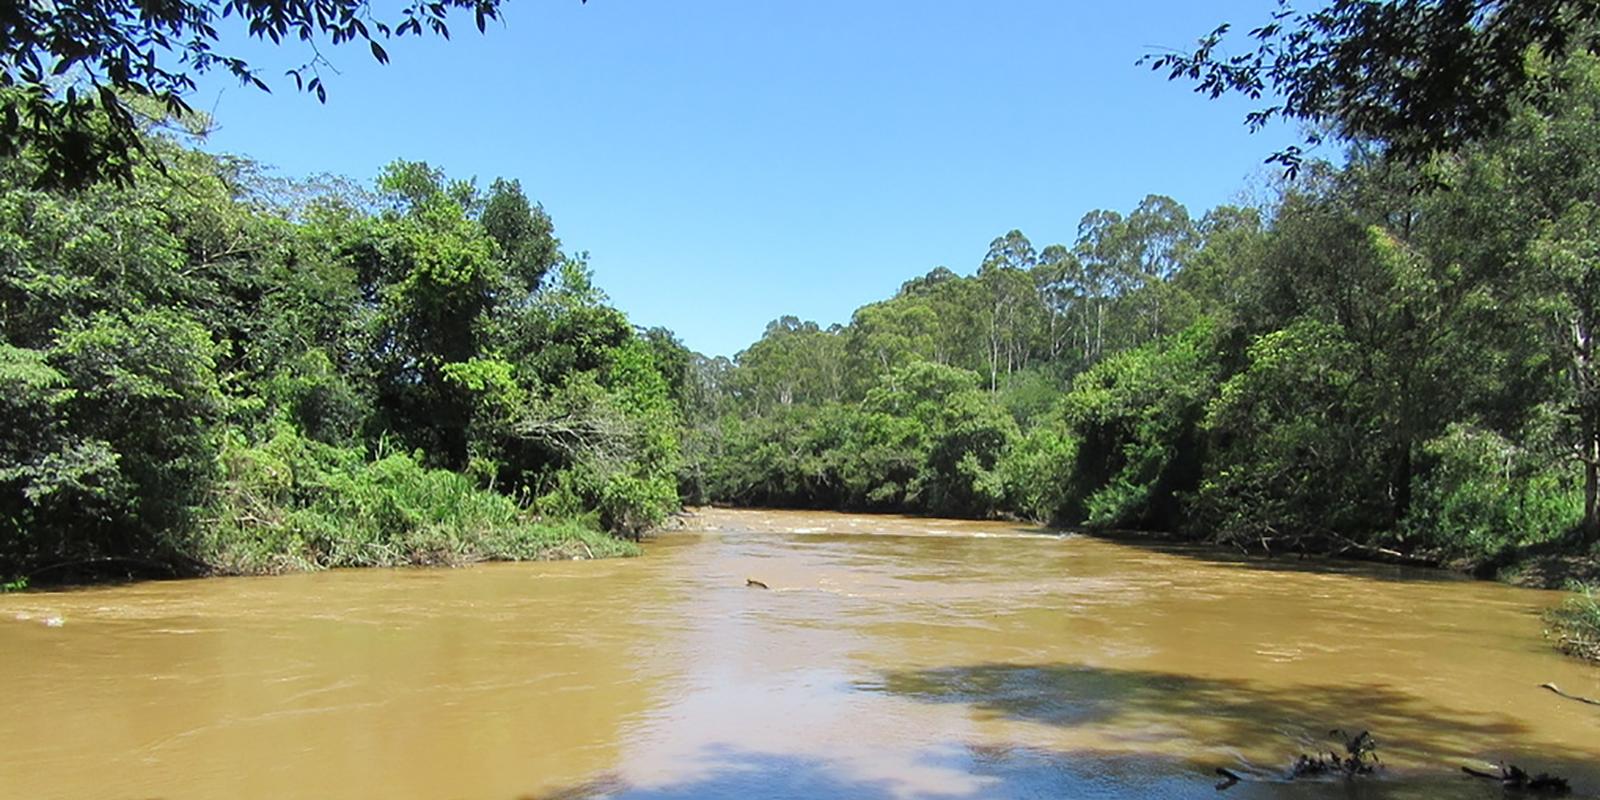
pixel 891 658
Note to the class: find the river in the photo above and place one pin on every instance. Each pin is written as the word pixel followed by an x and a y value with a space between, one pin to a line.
pixel 892 657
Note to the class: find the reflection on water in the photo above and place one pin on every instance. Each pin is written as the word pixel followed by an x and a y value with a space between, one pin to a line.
pixel 892 657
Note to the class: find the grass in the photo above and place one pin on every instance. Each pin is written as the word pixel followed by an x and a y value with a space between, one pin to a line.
pixel 291 504
pixel 1576 623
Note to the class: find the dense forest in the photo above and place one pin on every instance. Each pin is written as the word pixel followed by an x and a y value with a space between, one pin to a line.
pixel 211 369
pixel 1390 357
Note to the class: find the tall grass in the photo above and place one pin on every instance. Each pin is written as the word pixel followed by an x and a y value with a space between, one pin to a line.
pixel 1576 623
pixel 291 503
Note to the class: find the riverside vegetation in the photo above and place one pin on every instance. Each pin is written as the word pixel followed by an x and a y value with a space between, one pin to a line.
pixel 1386 360
pixel 212 371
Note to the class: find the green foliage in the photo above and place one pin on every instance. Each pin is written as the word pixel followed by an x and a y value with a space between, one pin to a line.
pixel 80 77
pixel 1393 354
pixel 1292 438
pixel 145 387
pixel 45 466
pixel 629 478
pixel 212 369
pixel 1419 76
pixel 1035 474
pixel 320 401
pixel 1483 495
pixel 199 377
pixel 1577 623
pixel 291 503
pixel 1135 418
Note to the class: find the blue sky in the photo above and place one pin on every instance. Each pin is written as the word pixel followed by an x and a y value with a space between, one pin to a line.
pixel 726 162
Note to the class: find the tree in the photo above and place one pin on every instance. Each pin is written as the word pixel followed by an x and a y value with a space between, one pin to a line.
pixel 1100 274
pixel 1568 252
pixel 1419 76
pixel 1055 286
pixel 1294 466
pixel 1135 419
pixel 1158 240
pixel 69 68
pixel 1008 316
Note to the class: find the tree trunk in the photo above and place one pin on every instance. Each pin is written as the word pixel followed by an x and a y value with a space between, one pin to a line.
pixel 1591 480
pixel 1402 483
pixel 1588 396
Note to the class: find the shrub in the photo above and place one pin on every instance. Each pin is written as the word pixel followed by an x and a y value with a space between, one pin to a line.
pixel 295 503
pixel 1484 494
pixel 1576 623
pixel 1135 418
pixel 1035 473
pixel 1292 461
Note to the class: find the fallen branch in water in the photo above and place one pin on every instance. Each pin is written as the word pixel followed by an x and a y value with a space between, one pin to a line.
pixel 1554 688
pixel 1514 777
pixel 1385 555
pixel 1228 779
pixel 1360 758
pixel 755 584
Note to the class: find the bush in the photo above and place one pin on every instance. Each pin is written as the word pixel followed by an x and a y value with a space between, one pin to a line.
pixel 108 449
pixel 1484 494
pixel 1135 418
pixel 1576 623
pixel 295 503
pixel 1035 473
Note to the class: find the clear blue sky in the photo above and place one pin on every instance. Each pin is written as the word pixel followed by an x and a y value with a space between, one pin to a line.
pixel 729 161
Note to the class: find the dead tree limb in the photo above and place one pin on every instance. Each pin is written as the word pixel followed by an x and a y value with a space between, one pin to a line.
pixel 1554 688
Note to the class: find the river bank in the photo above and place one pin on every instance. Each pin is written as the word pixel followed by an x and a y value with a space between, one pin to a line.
pixel 1539 567
pixel 235 556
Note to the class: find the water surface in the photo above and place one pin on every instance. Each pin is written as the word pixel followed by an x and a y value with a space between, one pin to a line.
pixel 892 658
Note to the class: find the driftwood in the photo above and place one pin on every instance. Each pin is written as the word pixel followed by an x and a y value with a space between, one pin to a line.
pixel 1554 688
pixel 1228 779
pixel 755 584
pixel 1360 758
pixel 1516 778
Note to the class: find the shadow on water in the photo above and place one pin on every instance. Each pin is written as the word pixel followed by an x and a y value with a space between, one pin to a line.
pixel 1282 562
pixel 1237 715
pixel 1071 694
pixel 994 772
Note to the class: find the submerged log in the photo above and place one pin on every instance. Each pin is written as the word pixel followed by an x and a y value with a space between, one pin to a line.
pixel 1516 778
pixel 1554 688
pixel 1360 758
pixel 1228 779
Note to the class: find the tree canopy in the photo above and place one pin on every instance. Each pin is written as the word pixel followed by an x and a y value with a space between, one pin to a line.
pixel 1390 357
pixel 1419 76
pixel 68 69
